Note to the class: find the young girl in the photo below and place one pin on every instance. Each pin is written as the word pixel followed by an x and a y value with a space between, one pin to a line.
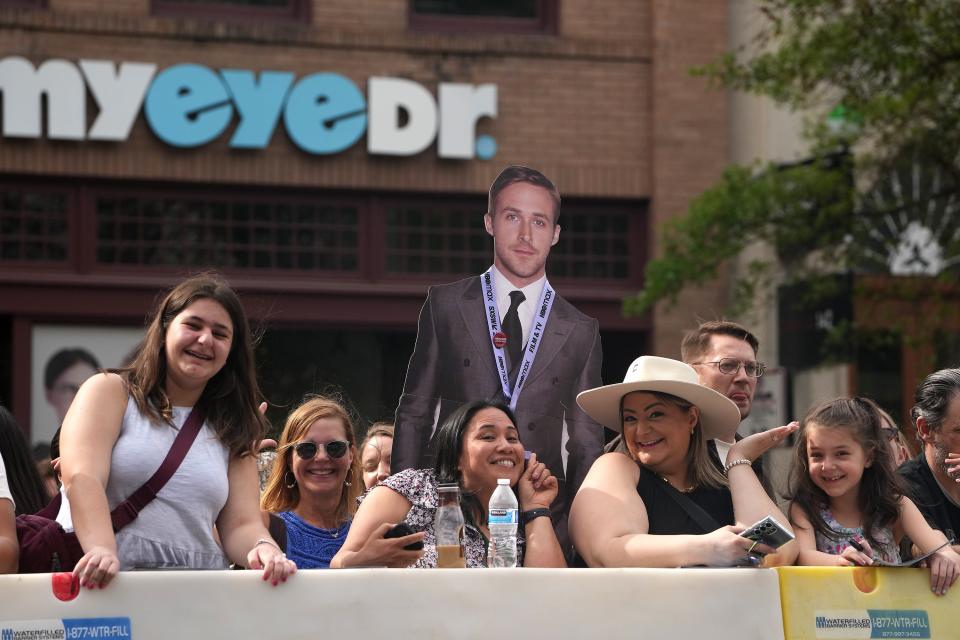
pixel 845 495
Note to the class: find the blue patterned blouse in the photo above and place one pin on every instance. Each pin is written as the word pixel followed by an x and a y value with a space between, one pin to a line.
pixel 309 546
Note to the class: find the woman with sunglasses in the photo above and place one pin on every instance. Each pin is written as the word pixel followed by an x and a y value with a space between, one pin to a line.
pixel 196 356
pixel 315 481
pixel 477 445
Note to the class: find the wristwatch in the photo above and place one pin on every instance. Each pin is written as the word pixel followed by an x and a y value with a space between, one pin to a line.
pixel 533 514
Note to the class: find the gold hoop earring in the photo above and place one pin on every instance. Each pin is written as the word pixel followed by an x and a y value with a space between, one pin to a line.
pixel 289 480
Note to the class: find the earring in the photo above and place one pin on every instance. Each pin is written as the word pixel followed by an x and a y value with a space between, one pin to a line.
pixel 290 480
pixel 347 482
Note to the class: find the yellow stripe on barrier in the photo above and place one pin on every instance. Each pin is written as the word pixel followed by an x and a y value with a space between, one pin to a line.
pixel 865 602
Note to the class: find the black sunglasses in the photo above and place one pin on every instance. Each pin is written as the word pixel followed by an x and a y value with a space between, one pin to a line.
pixel 307 449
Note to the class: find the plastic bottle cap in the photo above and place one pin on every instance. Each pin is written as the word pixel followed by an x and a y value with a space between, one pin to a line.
pixel 505 481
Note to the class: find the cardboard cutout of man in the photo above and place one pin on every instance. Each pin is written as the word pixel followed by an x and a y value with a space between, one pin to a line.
pixel 480 338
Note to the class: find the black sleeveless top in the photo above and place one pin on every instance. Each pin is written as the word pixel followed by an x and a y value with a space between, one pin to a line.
pixel 666 517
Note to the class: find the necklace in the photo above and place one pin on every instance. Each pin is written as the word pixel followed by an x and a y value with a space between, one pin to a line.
pixel 683 490
pixel 334 532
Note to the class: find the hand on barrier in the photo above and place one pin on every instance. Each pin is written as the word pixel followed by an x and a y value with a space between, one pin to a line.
pixel 726 547
pixel 267 556
pixel 97 567
pixel 537 487
pixel 379 551
pixel 944 569
pixel 755 445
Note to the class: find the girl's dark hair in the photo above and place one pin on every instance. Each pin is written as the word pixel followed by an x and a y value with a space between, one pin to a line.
pixel 28 490
pixel 449 446
pixel 230 398
pixel 879 494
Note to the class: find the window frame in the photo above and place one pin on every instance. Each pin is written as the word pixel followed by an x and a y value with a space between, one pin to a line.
pixel 296 11
pixel 546 22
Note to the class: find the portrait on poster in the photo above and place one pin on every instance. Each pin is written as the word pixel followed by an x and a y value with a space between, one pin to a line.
pixel 61 358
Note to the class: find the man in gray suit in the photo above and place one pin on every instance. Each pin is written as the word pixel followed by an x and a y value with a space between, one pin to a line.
pixel 507 335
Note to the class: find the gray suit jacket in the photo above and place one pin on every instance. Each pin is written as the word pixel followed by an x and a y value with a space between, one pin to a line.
pixel 453 364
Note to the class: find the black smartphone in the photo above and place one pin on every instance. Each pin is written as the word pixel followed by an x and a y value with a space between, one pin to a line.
pixel 400 530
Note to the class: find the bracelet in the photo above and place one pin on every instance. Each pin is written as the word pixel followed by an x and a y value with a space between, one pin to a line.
pixel 269 542
pixel 533 514
pixel 731 464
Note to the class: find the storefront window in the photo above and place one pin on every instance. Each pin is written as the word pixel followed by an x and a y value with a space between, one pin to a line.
pixel 34 225
pixel 297 10
pixel 24 4
pixel 533 16
pixel 234 234
pixel 448 238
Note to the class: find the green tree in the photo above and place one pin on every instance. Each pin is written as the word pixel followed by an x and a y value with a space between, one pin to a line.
pixel 879 191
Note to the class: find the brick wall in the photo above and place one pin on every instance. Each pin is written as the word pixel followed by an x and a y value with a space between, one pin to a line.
pixel 690 141
pixel 606 108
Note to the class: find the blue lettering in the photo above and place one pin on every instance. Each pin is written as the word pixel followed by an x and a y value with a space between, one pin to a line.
pixel 325 113
pixel 188 106
pixel 259 105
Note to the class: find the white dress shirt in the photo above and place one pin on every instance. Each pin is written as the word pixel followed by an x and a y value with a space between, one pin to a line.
pixel 527 308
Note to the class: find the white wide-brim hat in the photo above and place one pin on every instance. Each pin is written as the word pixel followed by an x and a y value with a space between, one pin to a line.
pixel 718 414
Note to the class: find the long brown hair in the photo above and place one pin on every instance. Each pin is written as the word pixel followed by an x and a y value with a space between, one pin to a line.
pixel 879 493
pixel 700 468
pixel 230 397
pixel 277 496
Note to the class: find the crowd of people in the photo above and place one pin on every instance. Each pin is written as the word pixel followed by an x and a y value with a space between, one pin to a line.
pixel 676 487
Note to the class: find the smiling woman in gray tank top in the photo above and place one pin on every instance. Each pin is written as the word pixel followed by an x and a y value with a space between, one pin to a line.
pixel 197 352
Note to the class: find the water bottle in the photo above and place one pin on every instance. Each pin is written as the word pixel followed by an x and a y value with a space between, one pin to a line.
pixel 502 518
pixel 448 528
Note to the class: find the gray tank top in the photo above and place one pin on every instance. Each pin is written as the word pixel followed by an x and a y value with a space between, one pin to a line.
pixel 176 528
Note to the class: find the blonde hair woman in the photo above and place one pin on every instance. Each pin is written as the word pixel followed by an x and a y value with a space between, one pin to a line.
pixel 315 481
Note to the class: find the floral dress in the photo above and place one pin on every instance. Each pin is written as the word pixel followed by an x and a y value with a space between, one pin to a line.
pixel 419 486
pixel 886 548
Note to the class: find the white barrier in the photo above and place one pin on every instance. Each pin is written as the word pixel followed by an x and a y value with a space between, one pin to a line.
pixel 552 604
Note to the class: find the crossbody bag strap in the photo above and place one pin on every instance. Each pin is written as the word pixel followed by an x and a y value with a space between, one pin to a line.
pixel 703 519
pixel 128 510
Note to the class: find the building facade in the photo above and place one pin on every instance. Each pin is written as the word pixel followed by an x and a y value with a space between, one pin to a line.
pixel 332 160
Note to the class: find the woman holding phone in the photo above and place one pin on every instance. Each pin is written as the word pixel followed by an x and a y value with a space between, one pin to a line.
pixel 666 504
pixel 477 445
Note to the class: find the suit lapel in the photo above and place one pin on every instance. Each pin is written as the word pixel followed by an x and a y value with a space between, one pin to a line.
pixel 558 330
pixel 472 310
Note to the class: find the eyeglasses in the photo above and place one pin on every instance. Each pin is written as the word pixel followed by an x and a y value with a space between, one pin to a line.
pixel 307 450
pixel 728 366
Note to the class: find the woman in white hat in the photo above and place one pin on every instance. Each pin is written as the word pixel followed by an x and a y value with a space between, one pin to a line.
pixel 666 505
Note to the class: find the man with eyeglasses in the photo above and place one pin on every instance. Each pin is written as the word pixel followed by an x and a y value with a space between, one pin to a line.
pixel 724 355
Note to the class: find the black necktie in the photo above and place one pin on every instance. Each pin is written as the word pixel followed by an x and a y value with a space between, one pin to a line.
pixel 514 331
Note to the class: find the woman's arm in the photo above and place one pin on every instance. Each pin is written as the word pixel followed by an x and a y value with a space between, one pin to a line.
pixel 90 430
pixel 9 546
pixel 609 525
pixel 243 534
pixel 750 502
pixel 365 545
pixel 537 489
